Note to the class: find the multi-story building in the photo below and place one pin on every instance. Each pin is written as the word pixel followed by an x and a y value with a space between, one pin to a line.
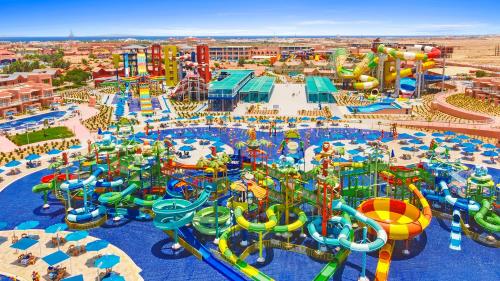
pixel 485 88
pixel 230 53
pixel 21 91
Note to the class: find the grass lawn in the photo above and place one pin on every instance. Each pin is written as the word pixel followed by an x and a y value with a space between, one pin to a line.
pixel 38 136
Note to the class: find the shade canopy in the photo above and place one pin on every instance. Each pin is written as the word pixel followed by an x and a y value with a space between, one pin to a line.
pixel 32 157
pixel 55 258
pixel 13 163
pixel 24 243
pixel 56 228
pixel 107 261
pixel 76 236
pixel 96 245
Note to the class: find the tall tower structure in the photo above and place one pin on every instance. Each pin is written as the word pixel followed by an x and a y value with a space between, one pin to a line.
pixel 171 66
pixel 156 60
pixel 203 59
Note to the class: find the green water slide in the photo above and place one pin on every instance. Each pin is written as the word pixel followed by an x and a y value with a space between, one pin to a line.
pixel 486 218
pixel 332 266
pixel 204 220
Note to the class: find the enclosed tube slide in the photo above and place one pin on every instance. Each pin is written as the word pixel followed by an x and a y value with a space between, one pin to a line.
pixel 486 218
pixel 365 82
pixel 77 183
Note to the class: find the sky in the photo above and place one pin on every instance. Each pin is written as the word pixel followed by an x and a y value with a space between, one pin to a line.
pixel 23 18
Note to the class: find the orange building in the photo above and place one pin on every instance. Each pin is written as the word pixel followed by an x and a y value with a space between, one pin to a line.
pixel 485 88
pixel 20 91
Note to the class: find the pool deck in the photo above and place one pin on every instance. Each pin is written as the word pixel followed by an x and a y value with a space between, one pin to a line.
pixel 82 264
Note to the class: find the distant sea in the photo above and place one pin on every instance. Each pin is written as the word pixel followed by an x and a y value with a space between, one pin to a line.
pixel 162 38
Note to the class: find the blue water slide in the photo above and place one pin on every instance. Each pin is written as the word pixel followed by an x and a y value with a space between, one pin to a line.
pixel 224 269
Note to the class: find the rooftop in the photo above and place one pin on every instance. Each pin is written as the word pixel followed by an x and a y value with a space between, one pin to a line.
pixel 315 84
pixel 262 84
pixel 233 78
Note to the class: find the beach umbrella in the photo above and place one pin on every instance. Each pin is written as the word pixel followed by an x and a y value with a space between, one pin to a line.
pixel 279 121
pixel 132 113
pixel 305 118
pixel 438 140
pixel 292 120
pixel 338 143
pixel 165 111
pixel 164 119
pixel 489 146
pixel 76 146
pixel 107 261
pixel 149 121
pixel 195 117
pixel 27 225
pixel 54 152
pixel 358 158
pixel 423 147
pixel 339 159
pixel 353 151
pixel 55 258
pixel 96 246
pixel 321 118
pixel 32 157
pixel 24 244
pixel 56 228
pixel 406 148
pixel 238 118
pixel 419 134
pixel 371 136
pixel 468 144
pixel 335 118
pixel 77 236
pixel 384 140
pixel 469 149
pixel 437 134
pixel 252 119
pixel 12 164
pixel 186 148
pixel 218 143
pixel 304 125
pixel 476 141
pixel 415 141
pixel 209 117
pixel 455 140
pixel 405 136
pixel 114 277
pixel 264 121
pixel 189 141
pixel 449 133
pixel 490 153
pixel 463 137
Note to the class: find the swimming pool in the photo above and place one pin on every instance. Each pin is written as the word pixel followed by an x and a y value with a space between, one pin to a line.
pixel 374 107
pixel 18 124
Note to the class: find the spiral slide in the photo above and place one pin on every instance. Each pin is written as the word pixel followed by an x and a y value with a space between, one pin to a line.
pixel 365 82
pixel 486 218
pixel 204 220
pixel 343 237
pixel 429 53
pixel 401 221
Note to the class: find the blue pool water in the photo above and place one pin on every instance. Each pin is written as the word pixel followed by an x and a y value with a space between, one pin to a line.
pixel 430 259
pixel 16 124
pixel 374 107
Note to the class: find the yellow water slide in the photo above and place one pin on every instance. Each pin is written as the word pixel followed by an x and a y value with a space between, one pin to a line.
pixel 363 81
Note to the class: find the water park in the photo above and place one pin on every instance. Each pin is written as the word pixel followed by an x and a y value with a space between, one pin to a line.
pixel 179 171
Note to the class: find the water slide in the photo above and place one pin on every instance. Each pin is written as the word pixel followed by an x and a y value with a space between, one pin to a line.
pixel 487 218
pixel 250 271
pixel 343 237
pixel 78 183
pixel 364 82
pixel 204 220
pixel 459 203
pixel 411 56
pixel 207 256
pixel 145 101
pixel 108 184
pixel 331 267
pixel 112 198
pixel 174 213
pixel 401 221
pixel 456 231
pixel 42 187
